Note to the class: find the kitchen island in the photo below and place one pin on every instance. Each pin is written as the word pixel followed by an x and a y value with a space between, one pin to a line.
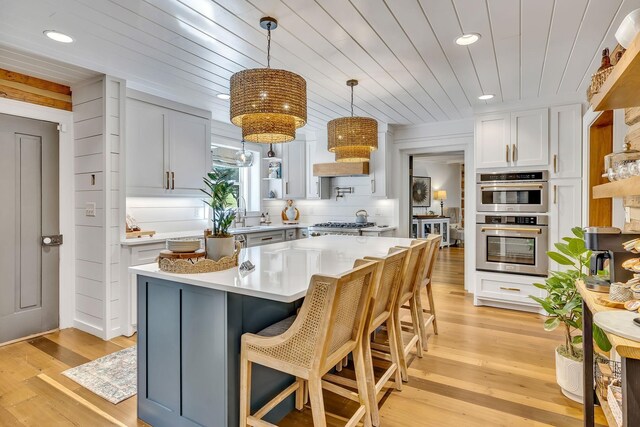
pixel 189 327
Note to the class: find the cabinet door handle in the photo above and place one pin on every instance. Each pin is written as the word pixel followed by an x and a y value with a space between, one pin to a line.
pixel 373 186
pixel 555 194
pixel 509 289
pixel 318 187
pixel 286 186
pixel 507 155
pixel 167 186
pixel 173 180
pixel 514 157
pixel 555 163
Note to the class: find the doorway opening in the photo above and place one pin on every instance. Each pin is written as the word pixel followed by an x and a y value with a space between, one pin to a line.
pixel 437 202
pixel 29 223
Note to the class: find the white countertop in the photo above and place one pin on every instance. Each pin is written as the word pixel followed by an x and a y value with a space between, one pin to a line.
pixel 283 269
pixel 162 237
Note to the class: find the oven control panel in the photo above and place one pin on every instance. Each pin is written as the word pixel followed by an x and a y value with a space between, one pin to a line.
pixel 513 219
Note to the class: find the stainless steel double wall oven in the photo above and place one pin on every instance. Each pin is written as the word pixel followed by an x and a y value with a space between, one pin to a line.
pixel 512 226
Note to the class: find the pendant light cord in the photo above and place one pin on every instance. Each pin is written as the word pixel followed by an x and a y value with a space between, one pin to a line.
pixel 351 101
pixel 269 45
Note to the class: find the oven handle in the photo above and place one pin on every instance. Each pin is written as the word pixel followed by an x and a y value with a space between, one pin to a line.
pixel 518 230
pixel 482 187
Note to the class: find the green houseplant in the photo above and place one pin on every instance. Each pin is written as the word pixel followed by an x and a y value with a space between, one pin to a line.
pixel 563 305
pixel 222 197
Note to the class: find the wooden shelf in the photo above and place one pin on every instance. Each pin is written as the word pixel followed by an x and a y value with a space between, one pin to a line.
pixel 341 169
pixel 622 188
pixel 622 87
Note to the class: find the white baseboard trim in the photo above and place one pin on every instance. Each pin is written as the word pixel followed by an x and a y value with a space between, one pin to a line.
pixel 90 329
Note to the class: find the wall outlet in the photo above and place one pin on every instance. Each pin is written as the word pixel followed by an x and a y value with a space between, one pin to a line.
pixel 90 209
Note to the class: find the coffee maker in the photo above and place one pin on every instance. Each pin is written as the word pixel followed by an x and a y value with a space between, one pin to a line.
pixel 605 266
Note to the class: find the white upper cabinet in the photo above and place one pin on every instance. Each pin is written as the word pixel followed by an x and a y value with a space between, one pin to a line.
pixel 512 139
pixel 565 210
pixel 492 141
pixel 147 154
pixel 313 182
pixel 566 141
pixel 530 138
pixel 294 170
pixel 378 167
pixel 168 151
pixel 190 155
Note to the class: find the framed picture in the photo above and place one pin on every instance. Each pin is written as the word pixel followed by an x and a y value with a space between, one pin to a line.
pixel 421 191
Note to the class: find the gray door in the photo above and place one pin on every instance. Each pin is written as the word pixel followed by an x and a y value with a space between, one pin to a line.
pixel 28 211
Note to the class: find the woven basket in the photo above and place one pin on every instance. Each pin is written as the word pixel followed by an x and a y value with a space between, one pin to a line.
pixel 597 80
pixel 199 265
pixel 620 292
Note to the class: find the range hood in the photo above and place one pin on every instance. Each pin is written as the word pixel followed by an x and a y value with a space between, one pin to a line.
pixel 341 169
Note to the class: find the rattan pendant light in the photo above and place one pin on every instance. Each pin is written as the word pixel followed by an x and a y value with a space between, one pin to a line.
pixel 353 138
pixel 268 104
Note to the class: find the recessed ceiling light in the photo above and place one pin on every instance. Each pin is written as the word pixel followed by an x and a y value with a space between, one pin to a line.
pixel 485 97
pixel 467 39
pixel 224 96
pixel 58 36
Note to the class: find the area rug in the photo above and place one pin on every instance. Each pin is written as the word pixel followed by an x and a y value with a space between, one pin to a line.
pixel 112 377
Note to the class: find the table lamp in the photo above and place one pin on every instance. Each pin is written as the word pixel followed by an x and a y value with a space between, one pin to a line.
pixel 442 196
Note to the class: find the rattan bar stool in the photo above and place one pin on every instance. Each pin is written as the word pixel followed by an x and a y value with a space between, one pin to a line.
pixel 412 269
pixel 387 279
pixel 328 327
pixel 427 317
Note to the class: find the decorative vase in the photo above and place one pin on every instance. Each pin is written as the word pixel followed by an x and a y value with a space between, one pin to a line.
pixel 218 247
pixel 569 376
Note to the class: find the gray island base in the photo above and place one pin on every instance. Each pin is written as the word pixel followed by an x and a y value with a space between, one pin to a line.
pixel 189 353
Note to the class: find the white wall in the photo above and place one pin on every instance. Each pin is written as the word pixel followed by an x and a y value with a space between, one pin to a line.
pixel 443 177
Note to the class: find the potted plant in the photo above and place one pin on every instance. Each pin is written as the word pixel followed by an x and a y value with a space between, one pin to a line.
pixel 221 196
pixel 563 305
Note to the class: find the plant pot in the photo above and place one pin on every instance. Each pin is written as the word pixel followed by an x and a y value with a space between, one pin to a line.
pixel 570 377
pixel 218 247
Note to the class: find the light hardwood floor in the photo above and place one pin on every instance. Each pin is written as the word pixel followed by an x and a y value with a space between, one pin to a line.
pixel 488 367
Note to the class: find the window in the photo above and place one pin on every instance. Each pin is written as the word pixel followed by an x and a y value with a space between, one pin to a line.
pixel 247 180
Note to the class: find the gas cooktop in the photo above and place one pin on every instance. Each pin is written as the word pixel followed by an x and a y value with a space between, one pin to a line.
pixel 344 225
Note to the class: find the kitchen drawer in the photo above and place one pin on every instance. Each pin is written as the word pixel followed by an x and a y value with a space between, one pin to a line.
pixel 146 254
pixel 258 239
pixel 291 234
pixel 508 287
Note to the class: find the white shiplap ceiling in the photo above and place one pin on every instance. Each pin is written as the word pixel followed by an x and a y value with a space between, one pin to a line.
pixel 402 51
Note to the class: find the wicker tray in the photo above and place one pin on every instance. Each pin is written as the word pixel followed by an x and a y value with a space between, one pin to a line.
pixel 198 264
pixel 597 80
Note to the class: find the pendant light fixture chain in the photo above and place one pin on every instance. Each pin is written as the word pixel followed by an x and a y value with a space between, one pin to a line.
pixel 269 45
pixel 351 83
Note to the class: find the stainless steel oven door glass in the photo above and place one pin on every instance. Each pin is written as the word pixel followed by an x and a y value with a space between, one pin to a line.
pixel 512 248
pixel 504 192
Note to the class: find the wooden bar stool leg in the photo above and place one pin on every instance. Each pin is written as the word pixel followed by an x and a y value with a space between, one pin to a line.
pixel 395 356
pixel 432 307
pixel 400 345
pixel 415 319
pixel 317 402
pixel 245 391
pixel 300 394
pixel 363 386
pixel 421 325
pixel 370 383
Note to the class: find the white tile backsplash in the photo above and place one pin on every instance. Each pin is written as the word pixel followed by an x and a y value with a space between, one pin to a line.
pixel 168 214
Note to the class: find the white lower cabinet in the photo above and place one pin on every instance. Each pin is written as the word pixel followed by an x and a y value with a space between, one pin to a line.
pixel 507 291
pixel 265 238
pixel 130 256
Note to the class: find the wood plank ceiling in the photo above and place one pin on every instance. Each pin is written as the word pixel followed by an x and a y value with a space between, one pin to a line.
pixel 402 51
